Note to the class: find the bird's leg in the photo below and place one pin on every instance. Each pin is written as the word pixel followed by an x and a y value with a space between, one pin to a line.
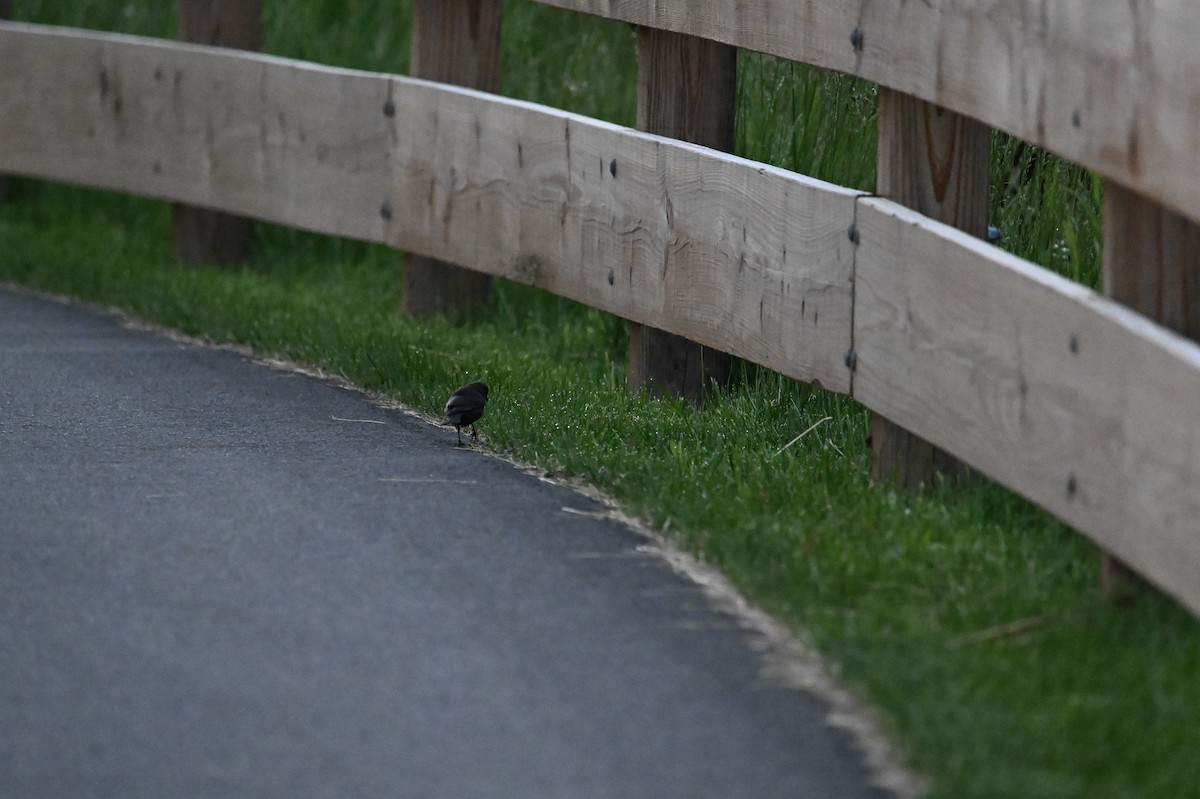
pixel 474 433
pixel 458 429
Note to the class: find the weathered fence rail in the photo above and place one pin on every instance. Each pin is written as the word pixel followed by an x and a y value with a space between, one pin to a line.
pixel 738 255
pixel 1069 398
pixel 1113 85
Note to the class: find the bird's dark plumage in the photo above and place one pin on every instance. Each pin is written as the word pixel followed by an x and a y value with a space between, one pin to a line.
pixel 465 406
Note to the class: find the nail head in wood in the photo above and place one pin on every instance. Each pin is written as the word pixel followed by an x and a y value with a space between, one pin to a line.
pixel 385 210
pixel 612 167
pixel 856 39
pixel 851 359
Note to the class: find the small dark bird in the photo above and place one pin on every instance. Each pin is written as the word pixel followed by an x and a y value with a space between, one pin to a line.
pixel 465 406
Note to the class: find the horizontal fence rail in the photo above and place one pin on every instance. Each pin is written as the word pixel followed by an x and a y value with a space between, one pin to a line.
pixel 1070 399
pixel 1113 85
pixel 1067 397
pixel 737 255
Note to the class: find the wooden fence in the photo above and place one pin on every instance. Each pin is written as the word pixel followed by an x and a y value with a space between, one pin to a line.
pixel 1085 406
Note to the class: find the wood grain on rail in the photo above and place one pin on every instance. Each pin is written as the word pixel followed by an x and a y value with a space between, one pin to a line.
pixel 746 258
pixel 1070 399
pixel 1113 85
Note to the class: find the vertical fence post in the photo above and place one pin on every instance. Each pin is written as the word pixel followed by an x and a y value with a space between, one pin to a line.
pixel 203 236
pixel 686 90
pixel 1151 264
pixel 936 162
pixel 458 42
pixel 5 13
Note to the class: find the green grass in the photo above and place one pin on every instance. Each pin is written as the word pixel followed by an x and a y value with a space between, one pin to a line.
pixel 908 596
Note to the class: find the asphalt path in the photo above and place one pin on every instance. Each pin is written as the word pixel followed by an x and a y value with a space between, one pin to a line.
pixel 223 579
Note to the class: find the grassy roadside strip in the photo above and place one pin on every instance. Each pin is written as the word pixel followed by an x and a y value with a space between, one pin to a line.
pixel 969 618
